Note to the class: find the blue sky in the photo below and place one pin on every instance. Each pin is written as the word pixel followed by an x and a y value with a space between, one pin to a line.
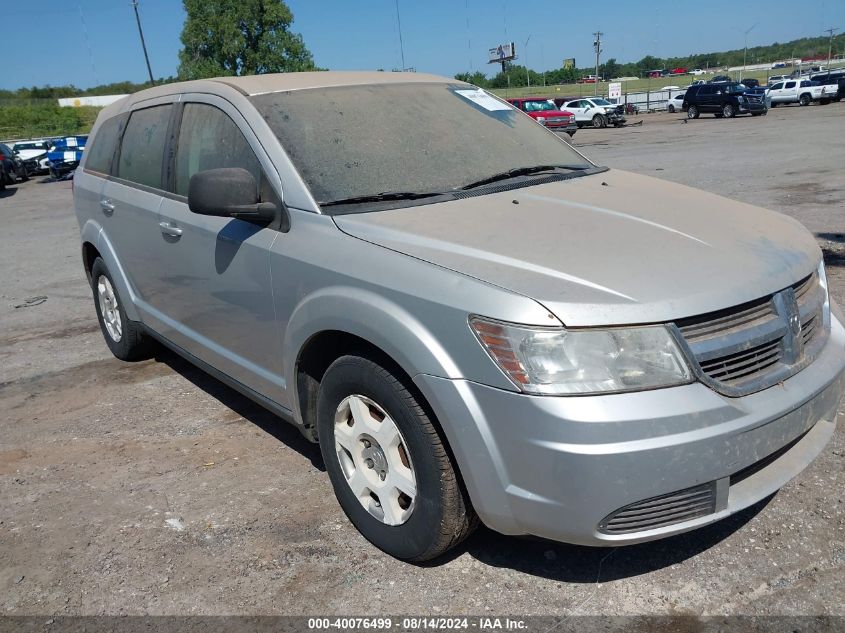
pixel 47 38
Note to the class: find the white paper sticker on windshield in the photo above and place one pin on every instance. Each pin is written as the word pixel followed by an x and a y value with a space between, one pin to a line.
pixel 486 101
pixel 71 142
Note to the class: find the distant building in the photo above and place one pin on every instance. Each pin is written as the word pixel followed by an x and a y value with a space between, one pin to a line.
pixel 99 102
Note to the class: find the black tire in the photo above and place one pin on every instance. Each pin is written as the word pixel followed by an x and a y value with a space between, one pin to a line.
pixel 599 121
pixel 774 104
pixel 804 99
pixel 133 343
pixel 442 515
pixel 671 109
pixel 824 101
pixel 692 112
pixel 728 111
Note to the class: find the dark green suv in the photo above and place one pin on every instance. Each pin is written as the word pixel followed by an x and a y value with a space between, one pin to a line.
pixel 722 99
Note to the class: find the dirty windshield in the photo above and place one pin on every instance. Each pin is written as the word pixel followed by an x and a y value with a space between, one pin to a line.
pixel 418 138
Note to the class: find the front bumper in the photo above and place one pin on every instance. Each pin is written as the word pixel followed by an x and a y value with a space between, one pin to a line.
pixel 556 467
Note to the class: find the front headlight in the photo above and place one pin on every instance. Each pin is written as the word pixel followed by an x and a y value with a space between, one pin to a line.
pixel 541 120
pixel 557 361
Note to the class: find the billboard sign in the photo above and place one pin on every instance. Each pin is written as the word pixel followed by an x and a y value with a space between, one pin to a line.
pixel 614 91
pixel 502 53
pixel 568 63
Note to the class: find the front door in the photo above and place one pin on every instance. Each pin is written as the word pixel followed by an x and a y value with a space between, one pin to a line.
pixel 215 270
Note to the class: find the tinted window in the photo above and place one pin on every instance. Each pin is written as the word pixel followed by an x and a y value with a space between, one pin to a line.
pixel 209 139
pixel 101 152
pixel 707 90
pixel 143 146
pixel 777 86
pixel 789 84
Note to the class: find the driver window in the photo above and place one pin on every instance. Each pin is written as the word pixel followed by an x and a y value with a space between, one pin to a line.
pixel 209 139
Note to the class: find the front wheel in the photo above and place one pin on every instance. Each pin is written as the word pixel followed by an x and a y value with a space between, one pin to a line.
pixel 387 462
pixel 692 112
pixel 671 109
pixel 804 100
pixel 728 111
pixel 599 121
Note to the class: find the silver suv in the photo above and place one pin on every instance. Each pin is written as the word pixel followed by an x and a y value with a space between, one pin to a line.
pixel 473 320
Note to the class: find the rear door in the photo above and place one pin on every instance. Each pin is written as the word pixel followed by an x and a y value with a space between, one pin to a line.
pixel 130 201
pixel 213 273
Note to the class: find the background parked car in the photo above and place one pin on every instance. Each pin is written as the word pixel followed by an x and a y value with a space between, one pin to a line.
pixel 676 103
pixel 33 154
pixel 720 79
pixel 545 112
pixel 722 100
pixel 750 83
pixel 65 154
pixel 13 167
pixel 595 112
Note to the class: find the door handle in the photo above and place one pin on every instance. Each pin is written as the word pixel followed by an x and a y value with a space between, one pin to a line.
pixel 107 206
pixel 170 229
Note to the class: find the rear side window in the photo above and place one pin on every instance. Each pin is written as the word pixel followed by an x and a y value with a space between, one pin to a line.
pixel 142 149
pixel 101 151
pixel 789 84
pixel 209 139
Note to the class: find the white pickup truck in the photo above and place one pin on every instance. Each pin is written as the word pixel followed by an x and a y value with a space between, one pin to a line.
pixel 801 91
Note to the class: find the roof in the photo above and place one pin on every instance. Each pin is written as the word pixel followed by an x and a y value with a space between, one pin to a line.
pixel 280 82
pixel 260 84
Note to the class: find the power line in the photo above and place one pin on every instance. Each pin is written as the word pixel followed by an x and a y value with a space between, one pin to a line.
pixel 830 32
pixel 143 43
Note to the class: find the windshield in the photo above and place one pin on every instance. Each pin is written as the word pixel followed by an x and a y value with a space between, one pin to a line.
pixel 355 141
pixel 539 106
pixel 22 146
pixel 736 89
pixel 601 102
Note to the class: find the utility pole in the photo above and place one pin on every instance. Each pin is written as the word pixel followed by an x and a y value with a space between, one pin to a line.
pixel 597 46
pixel 143 43
pixel 830 32
pixel 401 46
pixel 527 75
pixel 745 54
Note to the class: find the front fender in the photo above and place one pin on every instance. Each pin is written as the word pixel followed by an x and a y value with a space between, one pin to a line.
pixel 372 317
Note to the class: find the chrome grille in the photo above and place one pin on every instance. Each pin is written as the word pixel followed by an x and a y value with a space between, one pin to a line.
pixel 656 512
pixel 757 344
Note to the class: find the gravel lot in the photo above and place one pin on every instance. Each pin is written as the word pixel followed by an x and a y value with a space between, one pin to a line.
pixel 151 488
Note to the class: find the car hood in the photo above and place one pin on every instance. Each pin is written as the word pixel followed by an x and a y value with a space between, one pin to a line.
pixel 27 154
pixel 610 248
pixel 549 113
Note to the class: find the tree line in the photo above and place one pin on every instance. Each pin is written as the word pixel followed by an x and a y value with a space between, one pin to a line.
pixel 803 48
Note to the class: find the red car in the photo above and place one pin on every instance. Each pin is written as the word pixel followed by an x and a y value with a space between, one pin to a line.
pixel 678 71
pixel 545 112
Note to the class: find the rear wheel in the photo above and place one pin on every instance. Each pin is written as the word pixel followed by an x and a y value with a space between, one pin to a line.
pixel 671 109
pixel 126 339
pixel 692 112
pixel 804 99
pixel 728 111
pixel 388 465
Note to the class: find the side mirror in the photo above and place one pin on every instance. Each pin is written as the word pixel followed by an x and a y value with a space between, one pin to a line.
pixel 229 192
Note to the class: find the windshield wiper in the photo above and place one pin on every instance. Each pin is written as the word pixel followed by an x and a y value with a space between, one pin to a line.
pixel 383 196
pixel 521 171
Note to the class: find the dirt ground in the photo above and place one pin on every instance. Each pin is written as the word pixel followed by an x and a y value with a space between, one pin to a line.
pixel 151 488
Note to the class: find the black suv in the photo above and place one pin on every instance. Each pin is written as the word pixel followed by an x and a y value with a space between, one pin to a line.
pixel 723 100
